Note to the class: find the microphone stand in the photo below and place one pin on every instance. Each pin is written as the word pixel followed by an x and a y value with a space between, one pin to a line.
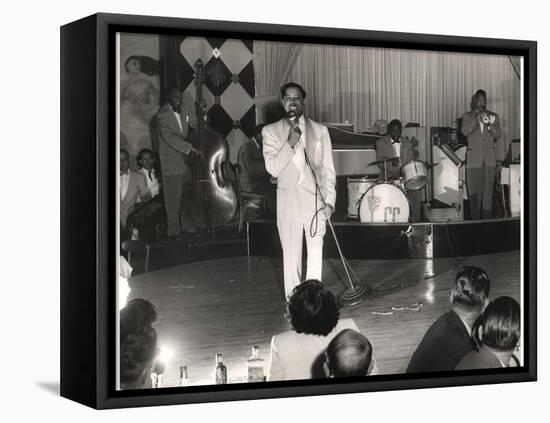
pixel 356 292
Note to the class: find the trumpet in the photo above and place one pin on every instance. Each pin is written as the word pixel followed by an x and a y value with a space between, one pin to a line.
pixel 487 118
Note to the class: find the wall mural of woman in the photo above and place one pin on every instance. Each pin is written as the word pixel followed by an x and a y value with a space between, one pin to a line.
pixel 139 102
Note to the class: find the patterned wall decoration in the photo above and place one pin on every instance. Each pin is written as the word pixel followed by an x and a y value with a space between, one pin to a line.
pixel 229 87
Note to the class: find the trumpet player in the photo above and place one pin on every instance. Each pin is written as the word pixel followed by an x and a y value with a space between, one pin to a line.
pixel 482 128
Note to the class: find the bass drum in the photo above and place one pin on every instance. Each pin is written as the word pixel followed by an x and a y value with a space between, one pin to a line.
pixel 384 203
pixel 357 187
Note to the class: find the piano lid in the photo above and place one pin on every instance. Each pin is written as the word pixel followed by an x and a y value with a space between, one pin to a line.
pixel 342 140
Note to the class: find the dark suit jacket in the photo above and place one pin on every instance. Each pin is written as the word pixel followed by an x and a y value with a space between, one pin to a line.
pixel 137 186
pixel 443 345
pixel 173 145
pixel 384 150
pixel 481 146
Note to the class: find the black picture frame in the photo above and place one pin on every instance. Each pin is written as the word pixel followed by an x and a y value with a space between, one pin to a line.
pixel 88 219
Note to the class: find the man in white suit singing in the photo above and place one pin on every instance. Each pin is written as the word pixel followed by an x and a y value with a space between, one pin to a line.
pixel 298 152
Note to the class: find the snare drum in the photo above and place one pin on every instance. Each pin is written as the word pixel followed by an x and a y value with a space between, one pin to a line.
pixel 356 189
pixel 415 175
pixel 384 203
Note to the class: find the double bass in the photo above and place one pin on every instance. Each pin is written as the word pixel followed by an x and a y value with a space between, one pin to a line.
pixel 211 200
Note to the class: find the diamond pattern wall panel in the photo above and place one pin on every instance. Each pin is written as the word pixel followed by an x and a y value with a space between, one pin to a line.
pixel 216 76
pixel 236 101
pixel 229 86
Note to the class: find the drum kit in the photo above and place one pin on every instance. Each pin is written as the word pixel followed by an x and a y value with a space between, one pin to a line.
pixel 385 201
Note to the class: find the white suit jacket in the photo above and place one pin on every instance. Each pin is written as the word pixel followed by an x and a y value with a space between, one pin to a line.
pixel 296 187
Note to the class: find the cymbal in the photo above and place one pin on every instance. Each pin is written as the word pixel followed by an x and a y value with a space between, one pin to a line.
pixel 381 161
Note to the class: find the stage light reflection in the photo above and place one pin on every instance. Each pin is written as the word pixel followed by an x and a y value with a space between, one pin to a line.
pixel 430 293
pixel 165 354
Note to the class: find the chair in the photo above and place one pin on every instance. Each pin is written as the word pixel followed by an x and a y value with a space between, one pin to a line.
pixel 135 246
pixel 245 198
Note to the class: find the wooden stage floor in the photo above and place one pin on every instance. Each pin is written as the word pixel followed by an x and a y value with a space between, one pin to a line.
pixel 228 305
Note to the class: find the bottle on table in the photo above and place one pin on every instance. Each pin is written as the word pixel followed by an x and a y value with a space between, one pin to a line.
pixel 157 374
pixel 220 371
pixel 184 376
pixel 256 366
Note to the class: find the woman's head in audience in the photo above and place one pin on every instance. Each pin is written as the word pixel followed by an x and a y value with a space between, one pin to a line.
pixel 312 309
pixel 138 342
pixel 499 326
pixel 471 289
pixel 137 354
pixel 137 314
pixel 348 354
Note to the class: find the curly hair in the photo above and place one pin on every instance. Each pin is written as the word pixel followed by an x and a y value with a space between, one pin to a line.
pixel 501 324
pixel 137 353
pixel 471 288
pixel 137 314
pixel 313 309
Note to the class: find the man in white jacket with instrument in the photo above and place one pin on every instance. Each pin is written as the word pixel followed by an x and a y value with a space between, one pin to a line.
pixel 298 152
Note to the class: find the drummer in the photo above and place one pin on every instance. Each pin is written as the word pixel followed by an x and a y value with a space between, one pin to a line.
pixel 404 150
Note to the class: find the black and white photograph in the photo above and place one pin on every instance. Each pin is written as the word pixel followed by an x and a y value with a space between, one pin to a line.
pixel 318 212
pixel 307 211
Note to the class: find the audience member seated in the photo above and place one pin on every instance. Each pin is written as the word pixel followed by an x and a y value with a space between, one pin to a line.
pixel 254 177
pixel 149 218
pixel 146 161
pixel 497 333
pixel 125 273
pixel 138 344
pixel 314 317
pixel 137 314
pixel 349 354
pixel 449 338
pixel 132 185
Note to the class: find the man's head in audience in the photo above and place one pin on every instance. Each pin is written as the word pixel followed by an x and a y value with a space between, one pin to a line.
pixel 146 159
pixel 312 309
pixel 124 161
pixel 498 328
pixel 470 293
pixel 348 354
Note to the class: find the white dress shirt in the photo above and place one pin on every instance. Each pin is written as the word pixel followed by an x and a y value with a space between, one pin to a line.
pixel 152 181
pixel 178 118
pixel 124 181
pixel 397 148
pixel 299 155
